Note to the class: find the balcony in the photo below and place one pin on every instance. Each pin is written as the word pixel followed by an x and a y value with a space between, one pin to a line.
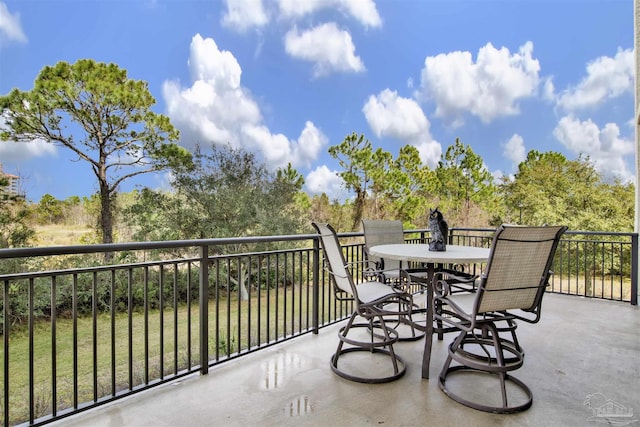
pixel 267 358
pixel 581 348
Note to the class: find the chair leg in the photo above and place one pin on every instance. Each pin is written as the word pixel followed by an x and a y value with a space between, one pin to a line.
pixel 439 325
pixel 403 317
pixel 510 328
pixel 380 345
pixel 496 365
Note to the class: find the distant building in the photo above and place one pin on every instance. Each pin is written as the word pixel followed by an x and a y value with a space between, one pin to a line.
pixel 12 188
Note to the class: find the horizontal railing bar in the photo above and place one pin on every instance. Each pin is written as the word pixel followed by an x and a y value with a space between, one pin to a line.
pixel 102 268
pixel 568 232
pixel 166 244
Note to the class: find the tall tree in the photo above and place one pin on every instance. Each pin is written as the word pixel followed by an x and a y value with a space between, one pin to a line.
pixel 363 170
pixel 414 184
pixel 290 182
pixel 103 117
pixel 463 181
pixel 354 156
pixel 49 209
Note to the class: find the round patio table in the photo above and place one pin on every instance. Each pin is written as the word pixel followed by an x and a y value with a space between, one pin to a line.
pixel 455 254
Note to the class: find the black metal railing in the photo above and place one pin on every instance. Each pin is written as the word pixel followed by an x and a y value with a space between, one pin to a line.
pixel 590 264
pixel 80 329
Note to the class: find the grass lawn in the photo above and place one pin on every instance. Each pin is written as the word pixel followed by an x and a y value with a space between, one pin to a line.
pixel 56 235
pixel 151 353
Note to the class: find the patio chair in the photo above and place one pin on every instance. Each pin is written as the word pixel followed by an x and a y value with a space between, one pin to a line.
pixel 382 232
pixel 373 300
pixel 385 232
pixel 510 289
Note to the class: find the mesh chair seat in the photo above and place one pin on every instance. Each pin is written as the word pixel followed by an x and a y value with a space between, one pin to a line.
pixel 370 292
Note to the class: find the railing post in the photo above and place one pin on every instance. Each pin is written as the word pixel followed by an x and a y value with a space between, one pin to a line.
pixel 634 269
pixel 5 346
pixel 204 309
pixel 316 286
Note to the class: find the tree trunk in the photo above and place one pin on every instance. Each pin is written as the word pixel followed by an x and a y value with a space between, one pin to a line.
pixel 106 218
pixel 359 208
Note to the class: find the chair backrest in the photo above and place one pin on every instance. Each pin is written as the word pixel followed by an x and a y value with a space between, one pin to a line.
pixel 382 232
pixel 517 271
pixel 335 259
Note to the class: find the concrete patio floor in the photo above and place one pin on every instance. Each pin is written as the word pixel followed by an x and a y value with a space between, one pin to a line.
pixel 582 351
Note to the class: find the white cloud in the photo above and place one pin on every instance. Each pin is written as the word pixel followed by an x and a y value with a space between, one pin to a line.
pixel 364 11
pixel 392 115
pixel 244 14
pixel 217 109
pixel 10 27
pixel 514 149
pixel 430 152
pixel 278 150
pixel 604 146
pixel 328 47
pixel 606 78
pixel 402 118
pixel 322 180
pixel 488 88
pixel 548 90
pixel 20 151
pixel 309 144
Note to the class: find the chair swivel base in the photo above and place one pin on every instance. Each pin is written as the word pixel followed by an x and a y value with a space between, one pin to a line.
pixel 506 408
pixel 512 355
pixel 494 366
pixel 401 325
pixel 380 348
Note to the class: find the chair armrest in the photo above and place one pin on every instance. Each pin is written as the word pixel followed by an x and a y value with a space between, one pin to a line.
pixel 368 264
pixel 441 289
pixel 370 269
pixel 458 281
pixel 451 312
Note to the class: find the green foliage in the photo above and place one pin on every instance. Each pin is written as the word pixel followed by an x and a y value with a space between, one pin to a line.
pixel 383 186
pixel 332 212
pixel 413 183
pixel 355 155
pixel 405 188
pixel 103 117
pixel 49 210
pixel 227 193
pixel 15 230
pixel 549 188
pixel 127 291
pixel 462 182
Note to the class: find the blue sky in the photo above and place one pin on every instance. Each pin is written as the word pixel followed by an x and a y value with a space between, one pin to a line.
pixel 289 78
